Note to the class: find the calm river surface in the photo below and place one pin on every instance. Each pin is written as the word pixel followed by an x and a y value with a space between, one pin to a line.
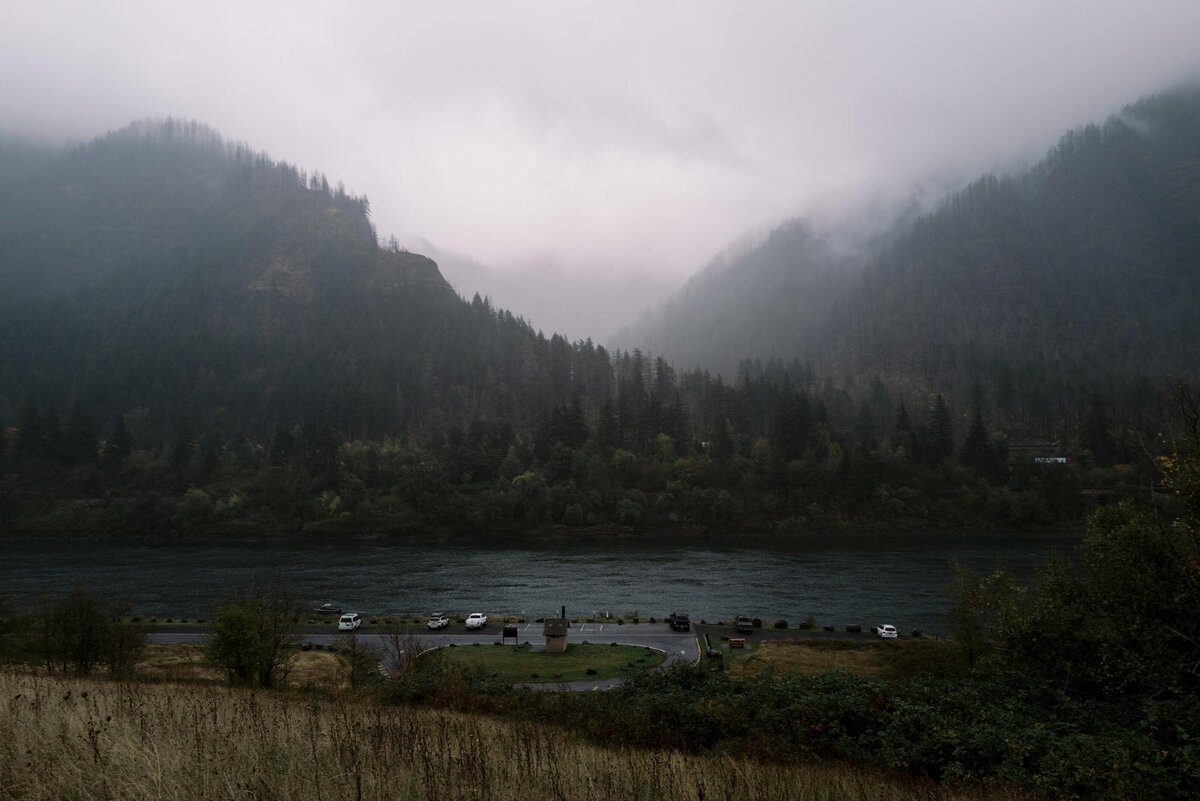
pixel 900 579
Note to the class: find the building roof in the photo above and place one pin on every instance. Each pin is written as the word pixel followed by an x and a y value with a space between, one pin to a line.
pixel 555 627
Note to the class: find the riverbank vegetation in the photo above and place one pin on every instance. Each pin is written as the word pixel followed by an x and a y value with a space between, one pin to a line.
pixel 777 452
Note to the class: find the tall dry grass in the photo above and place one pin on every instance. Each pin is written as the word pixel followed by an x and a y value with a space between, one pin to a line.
pixel 77 739
pixel 887 659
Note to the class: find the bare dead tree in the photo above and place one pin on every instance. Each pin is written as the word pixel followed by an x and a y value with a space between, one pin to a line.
pixel 402 647
pixel 361 656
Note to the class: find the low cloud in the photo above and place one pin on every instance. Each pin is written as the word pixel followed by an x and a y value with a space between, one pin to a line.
pixel 642 138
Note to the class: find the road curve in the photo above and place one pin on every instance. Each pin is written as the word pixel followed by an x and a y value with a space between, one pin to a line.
pixel 678 646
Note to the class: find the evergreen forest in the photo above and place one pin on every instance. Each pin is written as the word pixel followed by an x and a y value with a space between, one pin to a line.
pixel 196 337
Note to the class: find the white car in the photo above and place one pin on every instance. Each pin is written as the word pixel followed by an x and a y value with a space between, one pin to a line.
pixel 887 632
pixel 476 620
pixel 349 622
pixel 438 621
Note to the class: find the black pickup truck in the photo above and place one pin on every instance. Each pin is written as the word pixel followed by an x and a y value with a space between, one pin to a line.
pixel 679 621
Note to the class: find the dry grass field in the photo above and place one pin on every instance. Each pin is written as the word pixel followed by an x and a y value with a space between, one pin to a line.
pixel 86 740
pixel 889 658
pixel 184 662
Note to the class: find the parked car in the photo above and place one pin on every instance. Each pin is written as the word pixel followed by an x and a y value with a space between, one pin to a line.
pixel 887 631
pixel 438 621
pixel 476 620
pixel 349 622
pixel 680 621
pixel 328 609
pixel 744 625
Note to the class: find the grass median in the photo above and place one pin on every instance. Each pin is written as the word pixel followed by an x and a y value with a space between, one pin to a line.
pixel 581 661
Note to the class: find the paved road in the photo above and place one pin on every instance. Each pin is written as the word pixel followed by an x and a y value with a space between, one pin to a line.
pixel 676 645
pixel 716 632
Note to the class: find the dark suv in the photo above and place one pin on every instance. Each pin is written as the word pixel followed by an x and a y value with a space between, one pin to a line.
pixel 744 625
pixel 679 621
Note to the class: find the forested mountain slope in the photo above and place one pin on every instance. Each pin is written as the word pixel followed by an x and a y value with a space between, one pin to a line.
pixel 760 302
pixel 164 274
pixel 195 337
pixel 1083 269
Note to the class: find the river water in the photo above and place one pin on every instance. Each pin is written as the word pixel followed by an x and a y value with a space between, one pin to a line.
pixel 899 579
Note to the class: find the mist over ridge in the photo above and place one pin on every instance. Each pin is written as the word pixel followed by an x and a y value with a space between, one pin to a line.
pixel 1006 267
pixel 598 141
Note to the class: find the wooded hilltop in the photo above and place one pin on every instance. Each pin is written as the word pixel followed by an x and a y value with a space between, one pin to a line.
pixel 196 337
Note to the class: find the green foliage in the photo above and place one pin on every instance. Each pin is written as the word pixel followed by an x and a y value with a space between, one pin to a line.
pixel 941 431
pixel 964 732
pixel 628 512
pixel 253 638
pixel 1123 618
pixel 234 642
pixel 721 446
pixel 977 452
pixel 573 515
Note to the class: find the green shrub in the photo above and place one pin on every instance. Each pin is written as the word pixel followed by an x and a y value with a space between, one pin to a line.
pixel 573 515
pixel 627 512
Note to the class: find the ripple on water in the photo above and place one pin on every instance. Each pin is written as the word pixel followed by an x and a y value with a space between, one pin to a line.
pixel 902 579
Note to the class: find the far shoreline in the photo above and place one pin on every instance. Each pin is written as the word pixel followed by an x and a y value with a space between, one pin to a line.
pixel 676 534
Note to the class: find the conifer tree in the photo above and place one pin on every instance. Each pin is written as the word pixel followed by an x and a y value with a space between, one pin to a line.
pixel 608 430
pixel 903 423
pixel 976 450
pixel 1096 434
pixel 121 441
pixel 179 455
pixel 941 430
pixel 722 443
pixel 79 442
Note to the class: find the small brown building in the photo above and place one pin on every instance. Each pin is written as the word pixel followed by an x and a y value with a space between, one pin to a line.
pixel 555 631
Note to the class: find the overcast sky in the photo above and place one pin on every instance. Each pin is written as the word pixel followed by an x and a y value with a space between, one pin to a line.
pixel 601 136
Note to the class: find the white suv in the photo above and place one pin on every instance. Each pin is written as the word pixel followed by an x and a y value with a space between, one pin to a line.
pixel 887 632
pixel 438 621
pixel 349 622
pixel 476 620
